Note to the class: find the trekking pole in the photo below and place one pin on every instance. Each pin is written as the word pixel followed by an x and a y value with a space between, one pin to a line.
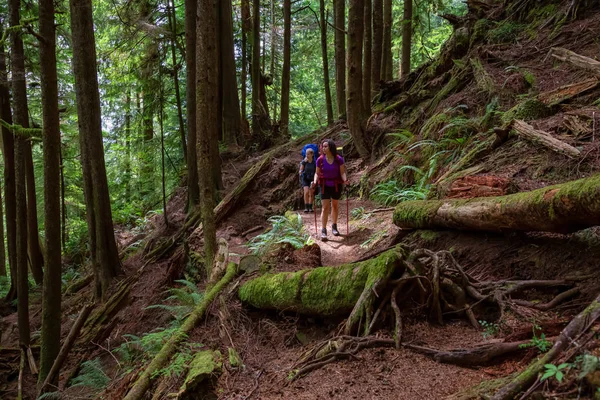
pixel 315 212
pixel 347 214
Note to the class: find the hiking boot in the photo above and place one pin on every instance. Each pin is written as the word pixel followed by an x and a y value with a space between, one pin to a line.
pixel 334 230
pixel 310 208
pixel 306 210
pixel 324 234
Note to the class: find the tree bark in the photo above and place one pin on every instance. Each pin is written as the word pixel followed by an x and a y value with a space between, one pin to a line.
pixel 323 23
pixel 51 299
pixel 386 57
pixel 36 258
pixel 355 105
pixel 367 61
pixel 8 152
pixel 231 104
pixel 190 63
pixel 2 248
pixel 377 46
pixel 339 7
pixel 586 63
pixel 246 27
pixel 285 72
pixel 207 102
pixel 173 27
pixel 260 114
pixel 563 208
pixel 406 37
pixel 20 117
pixel 105 257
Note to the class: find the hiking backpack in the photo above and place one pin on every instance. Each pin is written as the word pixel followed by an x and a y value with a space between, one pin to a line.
pixel 310 146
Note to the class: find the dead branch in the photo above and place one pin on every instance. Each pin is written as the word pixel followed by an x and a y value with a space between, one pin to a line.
pixel 544 138
pixel 551 304
pixel 256 228
pixel 566 92
pixel 576 60
pixel 567 338
pixel 21 370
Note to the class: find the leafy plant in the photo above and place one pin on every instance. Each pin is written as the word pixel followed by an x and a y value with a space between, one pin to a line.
pixel 554 371
pixel 393 192
pixel 92 375
pixel 399 138
pixel 490 329
pixel 359 214
pixel 186 298
pixel 287 228
pixel 541 343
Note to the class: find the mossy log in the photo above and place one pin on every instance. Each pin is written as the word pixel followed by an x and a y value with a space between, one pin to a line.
pixel 326 291
pixel 143 382
pixel 583 321
pixel 533 135
pixel 562 208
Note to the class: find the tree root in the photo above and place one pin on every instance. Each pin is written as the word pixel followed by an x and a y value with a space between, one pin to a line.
pixel 569 336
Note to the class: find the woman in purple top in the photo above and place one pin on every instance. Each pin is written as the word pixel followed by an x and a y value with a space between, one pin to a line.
pixel 330 175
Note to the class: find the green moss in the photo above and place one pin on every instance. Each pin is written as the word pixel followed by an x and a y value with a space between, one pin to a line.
pixel 479 31
pixel 528 110
pixel 419 213
pixel 427 235
pixel 483 79
pixel 505 32
pixel 204 364
pixel 433 125
pixel 323 291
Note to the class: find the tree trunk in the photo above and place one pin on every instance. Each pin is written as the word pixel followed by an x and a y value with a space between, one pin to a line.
pixel 355 105
pixel 190 63
pixel 2 248
pixel 563 208
pixel 323 23
pixel 229 97
pixel 285 72
pixel 8 152
pixel 207 101
pixel 406 37
pixel 17 58
pixel 105 257
pixel 246 27
pixel 339 7
pixel 258 109
pixel 377 46
pixel 63 203
pixel 173 26
pixel 367 61
pixel 51 299
pixel 36 258
pixel 386 57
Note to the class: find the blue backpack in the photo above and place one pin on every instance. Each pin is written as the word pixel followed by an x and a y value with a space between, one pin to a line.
pixel 310 146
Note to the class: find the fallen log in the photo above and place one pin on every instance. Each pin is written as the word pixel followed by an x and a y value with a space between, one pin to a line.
pixel 567 337
pixel 579 61
pixel 544 138
pixel 323 291
pixel 563 93
pixel 143 382
pixel 562 208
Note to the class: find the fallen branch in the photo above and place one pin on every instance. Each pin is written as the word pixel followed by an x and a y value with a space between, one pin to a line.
pixel 566 92
pixel 31 360
pixel 66 347
pixel 544 138
pixel 467 357
pixel 551 304
pixel 256 228
pixel 576 60
pixel 21 370
pixel 563 208
pixel 143 382
pixel 567 337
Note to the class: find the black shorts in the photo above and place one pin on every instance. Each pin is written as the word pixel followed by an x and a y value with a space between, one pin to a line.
pixel 306 182
pixel 330 192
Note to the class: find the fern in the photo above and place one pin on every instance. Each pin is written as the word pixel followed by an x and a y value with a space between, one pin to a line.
pixel 50 396
pixel 92 375
pixel 186 299
pixel 288 228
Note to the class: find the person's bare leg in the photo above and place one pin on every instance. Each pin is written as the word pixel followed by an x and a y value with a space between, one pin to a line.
pixel 325 212
pixel 334 211
pixel 306 195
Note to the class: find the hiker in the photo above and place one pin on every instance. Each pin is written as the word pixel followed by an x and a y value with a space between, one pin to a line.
pixel 307 174
pixel 330 176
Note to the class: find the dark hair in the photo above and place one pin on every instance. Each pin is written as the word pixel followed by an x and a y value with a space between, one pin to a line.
pixel 332 147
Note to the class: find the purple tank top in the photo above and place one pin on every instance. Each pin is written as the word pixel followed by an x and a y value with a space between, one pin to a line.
pixel 330 172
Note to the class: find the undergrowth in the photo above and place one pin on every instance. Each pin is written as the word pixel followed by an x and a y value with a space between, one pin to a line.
pixel 287 228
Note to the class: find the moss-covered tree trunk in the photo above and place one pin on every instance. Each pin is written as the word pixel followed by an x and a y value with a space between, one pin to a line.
pixel 566 207
pixel 320 291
